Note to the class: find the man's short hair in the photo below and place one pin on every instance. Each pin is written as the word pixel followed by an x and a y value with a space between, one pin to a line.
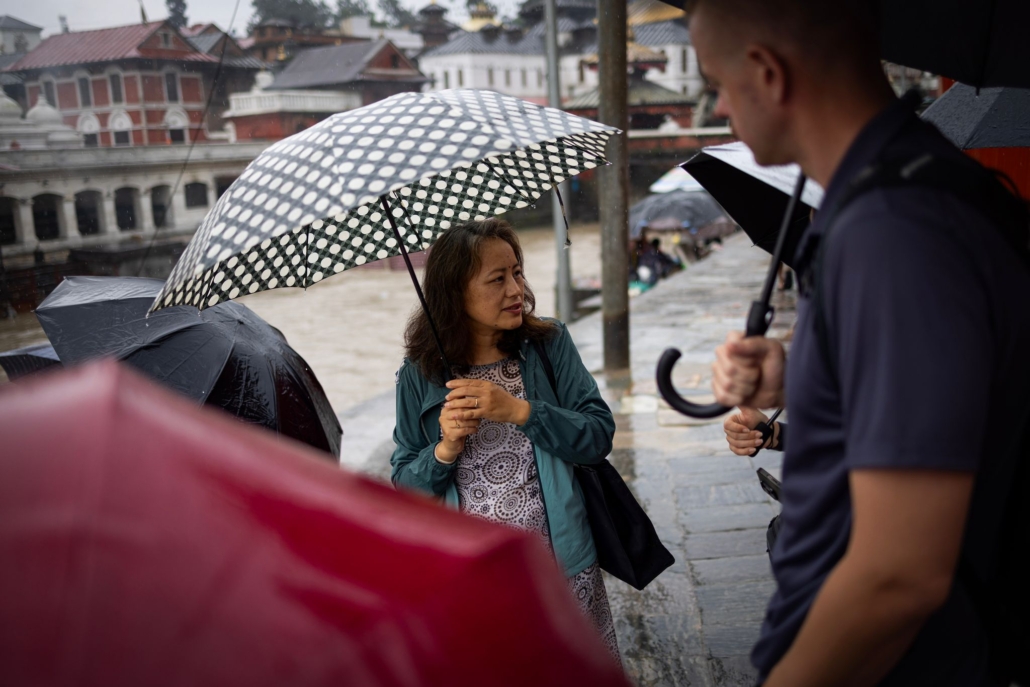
pixel 831 31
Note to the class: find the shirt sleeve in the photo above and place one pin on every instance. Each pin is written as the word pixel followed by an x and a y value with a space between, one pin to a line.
pixel 414 462
pixel 908 320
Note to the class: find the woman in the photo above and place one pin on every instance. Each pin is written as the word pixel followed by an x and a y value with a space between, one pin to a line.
pixel 496 441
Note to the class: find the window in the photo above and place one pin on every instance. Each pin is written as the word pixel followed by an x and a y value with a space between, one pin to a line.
pixel 166 40
pixel 176 136
pixel 196 195
pixel 395 61
pixel 121 138
pixel 507 77
pixel 48 93
pixel 539 78
pixel 461 78
pixel 446 79
pixel 582 75
pixel 172 87
pixel 85 96
pixel 91 140
pixel 684 60
pixel 523 78
pixel 116 88
pixel 489 76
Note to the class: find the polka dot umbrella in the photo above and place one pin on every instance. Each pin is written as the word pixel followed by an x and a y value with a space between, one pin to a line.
pixel 374 182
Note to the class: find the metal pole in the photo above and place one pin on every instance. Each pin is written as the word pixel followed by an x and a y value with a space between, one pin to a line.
pixel 563 277
pixel 614 187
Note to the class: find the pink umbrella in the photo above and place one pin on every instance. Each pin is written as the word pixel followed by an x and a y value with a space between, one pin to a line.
pixel 150 542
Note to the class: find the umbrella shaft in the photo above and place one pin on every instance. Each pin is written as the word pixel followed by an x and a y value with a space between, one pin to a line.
pixel 418 288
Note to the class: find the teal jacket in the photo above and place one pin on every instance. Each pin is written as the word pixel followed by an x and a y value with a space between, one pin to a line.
pixel 575 427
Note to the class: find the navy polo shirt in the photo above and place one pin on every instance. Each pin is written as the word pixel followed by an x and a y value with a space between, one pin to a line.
pixel 927 313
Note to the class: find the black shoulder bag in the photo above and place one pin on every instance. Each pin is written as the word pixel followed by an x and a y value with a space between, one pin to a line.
pixel 627 545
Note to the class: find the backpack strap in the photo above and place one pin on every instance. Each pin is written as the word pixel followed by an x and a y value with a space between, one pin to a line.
pixel 978 187
pixel 548 369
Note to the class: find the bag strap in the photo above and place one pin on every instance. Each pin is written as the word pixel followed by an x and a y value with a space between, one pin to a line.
pixel 548 369
pixel 967 181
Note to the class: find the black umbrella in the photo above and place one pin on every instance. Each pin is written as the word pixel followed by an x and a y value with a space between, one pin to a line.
pixel 691 210
pixel 754 196
pixel 28 360
pixel 225 356
pixel 977 42
pixel 990 118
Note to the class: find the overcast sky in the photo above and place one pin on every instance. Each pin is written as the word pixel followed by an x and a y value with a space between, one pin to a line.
pixel 84 15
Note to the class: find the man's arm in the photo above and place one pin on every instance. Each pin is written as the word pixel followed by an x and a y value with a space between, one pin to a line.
pixel 906 534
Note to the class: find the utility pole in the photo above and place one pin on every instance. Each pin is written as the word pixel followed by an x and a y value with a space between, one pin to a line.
pixel 563 280
pixel 611 54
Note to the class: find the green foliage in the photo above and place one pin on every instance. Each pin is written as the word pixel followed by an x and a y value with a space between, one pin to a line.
pixel 396 14
pixel 301 13
pixel 352 8
pixel 176 12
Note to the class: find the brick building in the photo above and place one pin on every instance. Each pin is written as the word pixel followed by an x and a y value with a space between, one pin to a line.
pixel 138 85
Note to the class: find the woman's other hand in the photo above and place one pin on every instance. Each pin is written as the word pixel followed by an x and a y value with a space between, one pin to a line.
pixel 454 430
pixel 740 430
pixel 478 399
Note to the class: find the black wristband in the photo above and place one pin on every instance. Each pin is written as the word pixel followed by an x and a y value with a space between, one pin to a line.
pixel 781 440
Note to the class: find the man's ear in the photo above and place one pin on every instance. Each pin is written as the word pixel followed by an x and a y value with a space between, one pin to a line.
pixel 770 75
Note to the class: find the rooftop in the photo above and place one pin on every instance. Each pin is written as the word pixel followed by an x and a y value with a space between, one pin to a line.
pixel 9 23
pixel 103 45
pixel 641 93
pixel 335 64
pixel 490 42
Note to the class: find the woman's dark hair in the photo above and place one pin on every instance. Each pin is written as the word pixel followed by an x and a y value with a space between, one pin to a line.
pixel 453 262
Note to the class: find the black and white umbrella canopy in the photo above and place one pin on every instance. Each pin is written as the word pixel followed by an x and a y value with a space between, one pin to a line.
pixel 309 206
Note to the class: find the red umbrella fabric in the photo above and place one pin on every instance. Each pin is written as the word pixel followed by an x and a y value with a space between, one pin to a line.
pixel 148 541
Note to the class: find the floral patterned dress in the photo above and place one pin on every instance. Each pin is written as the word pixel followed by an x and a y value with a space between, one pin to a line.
pixel 497 480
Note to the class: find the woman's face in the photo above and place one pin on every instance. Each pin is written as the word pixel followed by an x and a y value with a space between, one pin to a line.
pixel 493 300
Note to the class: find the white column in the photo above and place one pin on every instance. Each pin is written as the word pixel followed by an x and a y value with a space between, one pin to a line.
pixel 178 208
pixel 24 227
pixel 145 216
pixel 109 221
pixel 68 221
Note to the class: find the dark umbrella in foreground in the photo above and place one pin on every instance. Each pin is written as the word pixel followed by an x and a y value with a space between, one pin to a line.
pixel 28 360
pixel 149 542
pixel 689 210
pixel 226 356
pixel 972 41
pixel 992 118
pixel 754 196
pixel 378 181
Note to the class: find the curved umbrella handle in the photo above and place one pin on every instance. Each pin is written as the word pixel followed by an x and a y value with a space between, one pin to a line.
pixel 672 397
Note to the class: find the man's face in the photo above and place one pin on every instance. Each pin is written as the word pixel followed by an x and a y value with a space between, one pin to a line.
pixel 750 88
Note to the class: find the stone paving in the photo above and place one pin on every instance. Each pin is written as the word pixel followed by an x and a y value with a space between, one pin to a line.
pixel 696 623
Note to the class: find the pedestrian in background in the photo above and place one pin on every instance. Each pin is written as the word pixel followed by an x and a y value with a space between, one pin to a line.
pixel 906 388
pixel 496 441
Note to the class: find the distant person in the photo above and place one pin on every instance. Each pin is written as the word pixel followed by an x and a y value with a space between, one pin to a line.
pixel 906 388
pixel 495 442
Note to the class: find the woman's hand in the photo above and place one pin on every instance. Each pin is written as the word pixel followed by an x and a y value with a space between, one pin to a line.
pixel 454 430
pixel 741 434
pixel 478 399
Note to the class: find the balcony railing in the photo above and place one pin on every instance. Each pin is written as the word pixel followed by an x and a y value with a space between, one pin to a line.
pixel 262 102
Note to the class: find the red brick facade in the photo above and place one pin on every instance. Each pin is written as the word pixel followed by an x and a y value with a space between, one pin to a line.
pixel 273 126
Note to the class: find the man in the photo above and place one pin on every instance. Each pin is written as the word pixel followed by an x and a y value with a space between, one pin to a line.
pixel 924 306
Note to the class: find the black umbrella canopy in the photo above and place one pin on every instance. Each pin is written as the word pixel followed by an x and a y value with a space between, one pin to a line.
pixel 689 210
pixel 990 118
pixel 978 42
pixel 29 360
pixel 225 356
pixel 755 197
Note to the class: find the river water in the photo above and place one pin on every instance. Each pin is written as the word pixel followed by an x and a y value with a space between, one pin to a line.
pixel 349 328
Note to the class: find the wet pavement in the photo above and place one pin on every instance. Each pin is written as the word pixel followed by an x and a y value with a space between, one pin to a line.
pixel 696 624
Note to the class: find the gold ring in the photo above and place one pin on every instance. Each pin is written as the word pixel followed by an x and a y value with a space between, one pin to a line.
pixel 457 425
pixel 477 401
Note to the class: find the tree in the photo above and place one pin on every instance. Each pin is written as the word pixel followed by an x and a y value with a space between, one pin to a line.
pixel 396 14
pixel 301 13
pixel 351 8
pixel 176 12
